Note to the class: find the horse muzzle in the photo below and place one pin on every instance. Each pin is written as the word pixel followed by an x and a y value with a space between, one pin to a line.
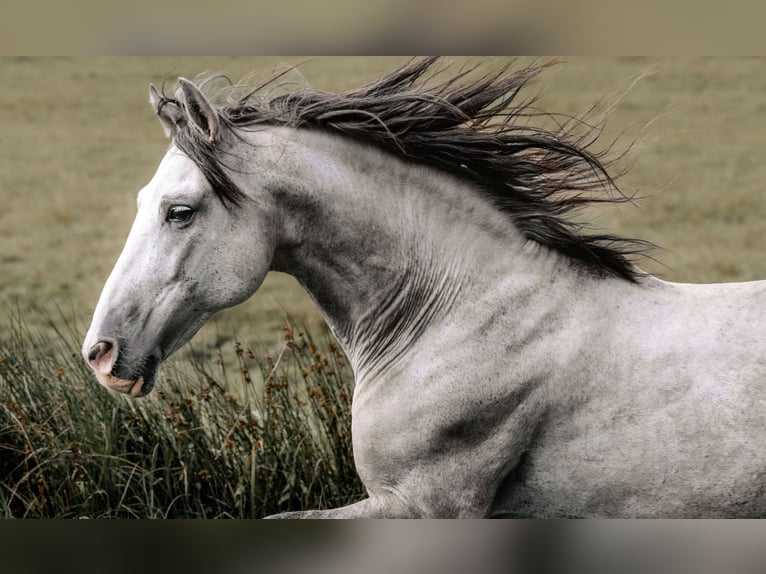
pixel 111 370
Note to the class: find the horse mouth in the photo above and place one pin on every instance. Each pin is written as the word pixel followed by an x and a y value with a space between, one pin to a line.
pixel 135 387
pixel 144 384
pixel 141 388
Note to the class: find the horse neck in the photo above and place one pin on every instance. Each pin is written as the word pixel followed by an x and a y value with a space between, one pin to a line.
pixel 387 249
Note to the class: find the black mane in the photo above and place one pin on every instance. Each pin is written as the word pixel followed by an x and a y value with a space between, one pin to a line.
pixel 469 127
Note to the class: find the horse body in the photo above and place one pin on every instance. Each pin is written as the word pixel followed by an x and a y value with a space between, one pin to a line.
pixel 494 374
pixel 645 381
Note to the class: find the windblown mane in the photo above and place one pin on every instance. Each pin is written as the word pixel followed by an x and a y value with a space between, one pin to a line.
pixel 472 128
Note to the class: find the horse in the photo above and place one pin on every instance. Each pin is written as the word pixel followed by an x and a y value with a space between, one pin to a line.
pixel 508 360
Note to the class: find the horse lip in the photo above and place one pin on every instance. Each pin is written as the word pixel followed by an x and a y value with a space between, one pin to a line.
pixel 138 390
pixel 144 384
pixel 137 387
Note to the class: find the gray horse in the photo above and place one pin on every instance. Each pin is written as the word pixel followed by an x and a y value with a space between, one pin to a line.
pixel 506 363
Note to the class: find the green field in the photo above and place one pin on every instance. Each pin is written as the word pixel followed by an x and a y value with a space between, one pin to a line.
pixel 79 141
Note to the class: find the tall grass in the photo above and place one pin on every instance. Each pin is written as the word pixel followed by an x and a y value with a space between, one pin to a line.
pixel 240 437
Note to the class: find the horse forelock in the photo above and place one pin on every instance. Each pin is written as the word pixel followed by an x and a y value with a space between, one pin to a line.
pixel 468 124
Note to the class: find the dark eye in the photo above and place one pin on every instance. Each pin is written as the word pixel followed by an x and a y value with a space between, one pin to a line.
pixel 180 215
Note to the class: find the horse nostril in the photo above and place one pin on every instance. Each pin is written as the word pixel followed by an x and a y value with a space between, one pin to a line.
pixel 98 350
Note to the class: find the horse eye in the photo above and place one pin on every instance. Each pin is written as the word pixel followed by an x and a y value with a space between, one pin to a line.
pixel 180 214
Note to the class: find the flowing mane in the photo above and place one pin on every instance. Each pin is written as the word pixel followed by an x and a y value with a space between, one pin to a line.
pixel 473 128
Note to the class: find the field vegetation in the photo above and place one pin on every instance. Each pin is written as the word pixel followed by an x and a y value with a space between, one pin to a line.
pixel 252 418
pixel 260 435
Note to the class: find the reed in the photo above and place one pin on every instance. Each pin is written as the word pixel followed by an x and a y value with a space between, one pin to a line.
pixel 241 435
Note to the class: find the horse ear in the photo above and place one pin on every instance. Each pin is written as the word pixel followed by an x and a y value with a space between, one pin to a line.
pixel 170 115
pixel 199 110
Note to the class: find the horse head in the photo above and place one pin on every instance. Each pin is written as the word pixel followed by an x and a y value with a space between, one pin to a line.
pixel 189 253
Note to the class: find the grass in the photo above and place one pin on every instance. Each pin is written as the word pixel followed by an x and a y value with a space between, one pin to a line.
pixel 239 439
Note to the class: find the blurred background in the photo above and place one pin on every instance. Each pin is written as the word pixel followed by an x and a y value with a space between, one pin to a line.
pixel 79 141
